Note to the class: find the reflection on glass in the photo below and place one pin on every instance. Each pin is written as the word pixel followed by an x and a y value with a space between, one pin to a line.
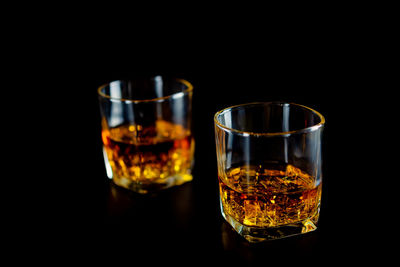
pixel 269 168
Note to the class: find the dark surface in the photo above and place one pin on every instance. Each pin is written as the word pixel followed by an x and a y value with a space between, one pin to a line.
pixel 58 205
pixel 184 223
pixel 78 214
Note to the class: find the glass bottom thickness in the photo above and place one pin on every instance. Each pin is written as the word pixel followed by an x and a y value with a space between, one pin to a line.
pixel 258 234
pixel 153 186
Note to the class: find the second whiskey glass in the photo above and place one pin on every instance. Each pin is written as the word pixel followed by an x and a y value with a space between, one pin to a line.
pixel 146 132
pixel 269 168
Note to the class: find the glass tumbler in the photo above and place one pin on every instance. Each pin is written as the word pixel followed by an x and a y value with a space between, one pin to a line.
pixel 146 132
pixel 269 168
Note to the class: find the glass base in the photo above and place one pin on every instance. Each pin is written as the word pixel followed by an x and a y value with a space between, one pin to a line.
pixel 258 234
pixel 154 185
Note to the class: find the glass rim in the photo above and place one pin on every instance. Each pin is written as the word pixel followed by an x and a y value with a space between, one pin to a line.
pixel 157 99
pixel 286 133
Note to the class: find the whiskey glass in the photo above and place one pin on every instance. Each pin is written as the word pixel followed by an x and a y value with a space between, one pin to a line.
pixel 146 132
pixel 269 168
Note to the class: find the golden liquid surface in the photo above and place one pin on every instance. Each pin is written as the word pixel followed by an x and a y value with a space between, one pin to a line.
pixel 272 196
pixel 147 155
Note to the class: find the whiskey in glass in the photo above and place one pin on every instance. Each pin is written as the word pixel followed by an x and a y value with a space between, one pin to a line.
pixel 146 133
pixel 269 168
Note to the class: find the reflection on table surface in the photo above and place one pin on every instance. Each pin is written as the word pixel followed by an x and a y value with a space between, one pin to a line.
pixel 186 221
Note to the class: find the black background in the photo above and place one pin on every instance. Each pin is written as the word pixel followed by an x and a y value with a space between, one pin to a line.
pixel 62 205
pixel 184 223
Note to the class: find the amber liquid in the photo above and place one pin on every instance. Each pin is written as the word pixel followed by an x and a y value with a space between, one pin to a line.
pixel 149 158
pixel 269 196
